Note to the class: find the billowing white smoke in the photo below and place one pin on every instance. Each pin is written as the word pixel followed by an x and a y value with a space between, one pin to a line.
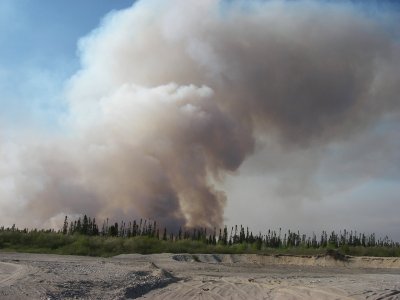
pixel 172 95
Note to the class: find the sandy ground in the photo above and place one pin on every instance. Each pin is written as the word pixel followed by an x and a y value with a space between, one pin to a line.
pixel 185 276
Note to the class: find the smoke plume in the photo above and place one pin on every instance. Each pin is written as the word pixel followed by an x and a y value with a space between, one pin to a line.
pixel 173 95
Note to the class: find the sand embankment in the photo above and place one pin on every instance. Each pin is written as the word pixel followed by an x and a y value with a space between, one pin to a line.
pixel 294 260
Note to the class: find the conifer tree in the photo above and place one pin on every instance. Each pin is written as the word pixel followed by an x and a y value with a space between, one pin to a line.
pixel 65 227
pixel 85 225
pixel 165 234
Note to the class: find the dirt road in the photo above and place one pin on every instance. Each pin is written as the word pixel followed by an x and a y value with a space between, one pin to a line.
pixel 184 276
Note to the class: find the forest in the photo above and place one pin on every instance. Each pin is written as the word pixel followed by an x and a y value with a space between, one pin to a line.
pixel 85 237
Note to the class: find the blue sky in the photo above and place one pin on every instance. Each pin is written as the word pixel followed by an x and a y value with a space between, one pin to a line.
pixel 38 53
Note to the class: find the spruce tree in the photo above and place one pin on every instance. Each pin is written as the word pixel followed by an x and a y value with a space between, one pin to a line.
pixel 65 227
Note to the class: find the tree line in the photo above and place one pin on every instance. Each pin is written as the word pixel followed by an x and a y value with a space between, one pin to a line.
pixel 236 235
pixel 83 236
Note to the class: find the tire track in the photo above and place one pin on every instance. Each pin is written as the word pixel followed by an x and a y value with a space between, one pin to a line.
pixel 10 273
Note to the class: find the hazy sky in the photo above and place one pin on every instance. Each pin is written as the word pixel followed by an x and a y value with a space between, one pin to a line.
pixel 270 114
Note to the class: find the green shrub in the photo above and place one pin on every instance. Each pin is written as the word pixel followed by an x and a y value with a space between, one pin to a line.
pixel 77 244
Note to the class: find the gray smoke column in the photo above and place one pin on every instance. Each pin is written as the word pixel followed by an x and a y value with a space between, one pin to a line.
pixel 173 95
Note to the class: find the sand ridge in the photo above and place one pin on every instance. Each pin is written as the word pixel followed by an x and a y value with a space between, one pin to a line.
pixel 299 260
